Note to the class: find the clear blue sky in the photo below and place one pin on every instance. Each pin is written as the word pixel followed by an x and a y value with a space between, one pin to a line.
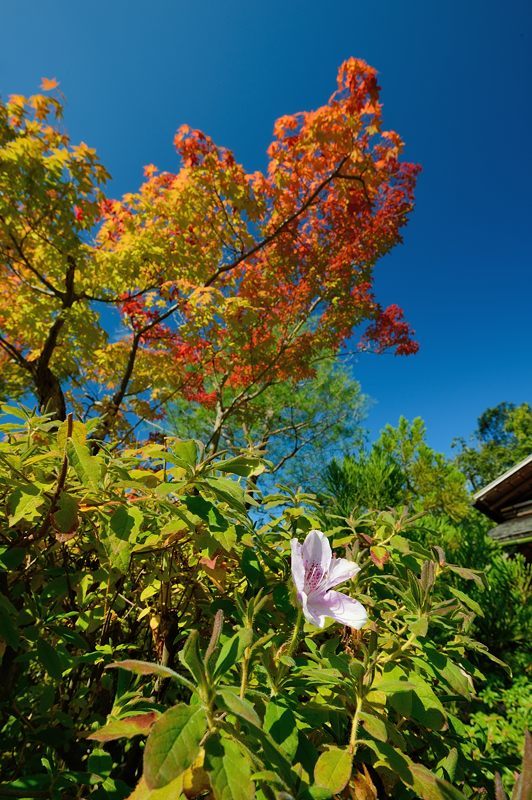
pixel 456 78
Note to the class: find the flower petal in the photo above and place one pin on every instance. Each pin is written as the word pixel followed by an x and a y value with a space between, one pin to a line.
pixel 341 570
pixel 298 568
pixel 338 606
pixel 317 550
pixel 312 609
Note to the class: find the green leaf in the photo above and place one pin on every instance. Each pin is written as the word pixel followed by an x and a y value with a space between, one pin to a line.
pixel 78 433
pixel 25 503
pixel 172 791
pixel 118 553
pixel 232 650
pixel 449 763
pixel 251 568
pixel 145 668
pixel 87 467
pixel 426 706
pixel 126 728
pixel 280 723
pixel 124 525
pixel 420 626
pixel 65 518
pixel 426 785
pixel 152 588
pixel 449 671
pixel 467 601
pixel 14 411
pixel 190 657
pixel 430 787
pixel 100 763
pixel 392 685
pixel 468 574
pixel 11 558
pixel 374 726
pixel 239 706
pixel 227 538
pixel 185 453
pixel 316 793
pixel 173 744
pixel 269 777
pixel 50 659
pixel 245 466
pixel 394 760
pixel 229 769
pixel 228 491
pixel 126 522
pixel 333 769
pixel 28 786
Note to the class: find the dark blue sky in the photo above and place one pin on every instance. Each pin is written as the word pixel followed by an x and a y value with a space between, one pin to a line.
pixel 456 78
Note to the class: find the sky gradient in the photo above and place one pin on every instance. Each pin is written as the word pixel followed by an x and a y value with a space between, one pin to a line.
pixel 456 84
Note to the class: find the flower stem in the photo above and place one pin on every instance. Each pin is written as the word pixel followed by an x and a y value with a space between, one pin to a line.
pixel 295 633
pixel 290 647
pixel 354 727
pixel 245 667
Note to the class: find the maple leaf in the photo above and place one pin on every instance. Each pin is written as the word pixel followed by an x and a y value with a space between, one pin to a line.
pixel 47 84
pixel 149 170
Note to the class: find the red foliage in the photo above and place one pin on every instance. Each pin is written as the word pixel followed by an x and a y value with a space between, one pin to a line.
pixel 289 252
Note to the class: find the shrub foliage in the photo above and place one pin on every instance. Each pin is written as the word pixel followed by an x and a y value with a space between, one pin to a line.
pixel 153 647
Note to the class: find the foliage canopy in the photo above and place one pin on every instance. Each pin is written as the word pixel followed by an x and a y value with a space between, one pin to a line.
pixel 224 282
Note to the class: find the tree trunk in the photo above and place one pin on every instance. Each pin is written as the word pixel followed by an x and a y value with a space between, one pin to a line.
pixel 49 392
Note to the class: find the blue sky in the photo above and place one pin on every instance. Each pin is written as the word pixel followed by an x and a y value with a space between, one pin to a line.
pixel 456 79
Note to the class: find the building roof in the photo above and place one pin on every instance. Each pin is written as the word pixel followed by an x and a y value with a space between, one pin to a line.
pixel 508 490
pixel 508 501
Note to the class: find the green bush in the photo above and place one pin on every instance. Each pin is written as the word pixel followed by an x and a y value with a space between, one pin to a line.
pixel 497 726
pixel 151 635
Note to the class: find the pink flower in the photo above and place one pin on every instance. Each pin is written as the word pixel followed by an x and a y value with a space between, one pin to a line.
pixel 315 571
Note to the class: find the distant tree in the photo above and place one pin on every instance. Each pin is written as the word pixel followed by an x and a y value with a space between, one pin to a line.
pixel 399 469
pixel 309 419
pixel 502 438
pixel 366 481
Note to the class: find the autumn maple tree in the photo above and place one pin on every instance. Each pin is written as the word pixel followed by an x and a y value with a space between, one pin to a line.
pixel 225 282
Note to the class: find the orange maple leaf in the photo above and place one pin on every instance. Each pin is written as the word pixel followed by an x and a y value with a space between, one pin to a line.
pixel 47 84
pixel 149 170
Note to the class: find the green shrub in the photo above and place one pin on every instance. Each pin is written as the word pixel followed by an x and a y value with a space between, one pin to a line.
pixel 497 727
pixel 166 560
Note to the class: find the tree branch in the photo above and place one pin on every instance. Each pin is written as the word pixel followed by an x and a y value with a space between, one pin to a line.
pixel 116 400
pixel 358 179
pixel 263 242
pixel 287 222
pixel 15 354
pixel 27 263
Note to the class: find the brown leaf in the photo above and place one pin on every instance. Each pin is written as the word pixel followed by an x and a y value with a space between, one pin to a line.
pixel 126 728
pixel 362 787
